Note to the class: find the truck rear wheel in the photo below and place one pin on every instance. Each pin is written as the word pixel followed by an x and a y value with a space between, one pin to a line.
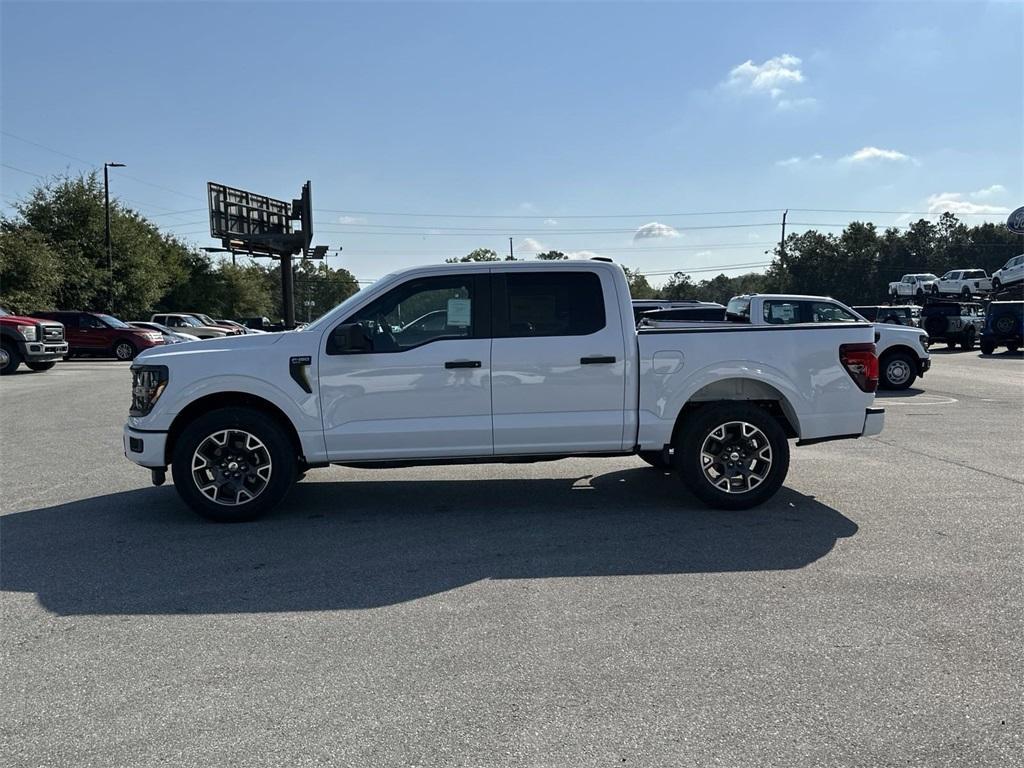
pixel 732 455
pixel 233 465
pixel 10 359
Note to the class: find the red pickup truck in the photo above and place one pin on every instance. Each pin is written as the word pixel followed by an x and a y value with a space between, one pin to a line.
pixel 37 343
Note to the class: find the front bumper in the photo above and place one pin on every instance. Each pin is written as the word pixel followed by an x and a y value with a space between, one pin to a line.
pixel 874 421
pixel 147 449
pixel 923 364
pixel 43 351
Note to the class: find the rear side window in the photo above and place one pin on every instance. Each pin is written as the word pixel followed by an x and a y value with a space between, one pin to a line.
pixel 738 310
pixel 974 274
pixel 553 304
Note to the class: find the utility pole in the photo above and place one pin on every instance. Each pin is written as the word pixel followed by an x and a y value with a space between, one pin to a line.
pixel 287 291
pixel 782 242
pixel 511 254
pixel 106 237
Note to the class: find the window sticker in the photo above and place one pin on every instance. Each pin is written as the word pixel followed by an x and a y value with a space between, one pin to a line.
pixel 460 311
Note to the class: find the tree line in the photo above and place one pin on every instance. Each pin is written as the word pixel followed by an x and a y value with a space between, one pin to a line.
pixel 52 256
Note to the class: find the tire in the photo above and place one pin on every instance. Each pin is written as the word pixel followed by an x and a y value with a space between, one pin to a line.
pixel 731 420
pixel 656 459
pixel 920 293
pixel 268 467
pixel 950 343
pixel 965 292
pixel 967 344
pixel 1012 346
pixel 124 350
pixel 987 346
pixel 41 366
pixel 10 359
pixel 1004 324
pixel 997 285
pixel 897 371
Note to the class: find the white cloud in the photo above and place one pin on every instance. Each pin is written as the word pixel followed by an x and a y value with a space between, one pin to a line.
pixel 772 76
pixel 789 162
pixel 869 154
pixel 351 220
pixel 701 254
pixel 792 105
pixel 653 231
pixel 987 192
pixel 551 222
pixel 954 202
pixel 531 245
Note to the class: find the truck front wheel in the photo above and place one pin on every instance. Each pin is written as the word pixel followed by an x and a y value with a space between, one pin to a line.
pixel 10 359
pixel 897 371
pixel 41 366
pixel 733 455
pixel 233 465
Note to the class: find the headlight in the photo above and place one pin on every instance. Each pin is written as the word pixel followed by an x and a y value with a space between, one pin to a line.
pixel 29 332
pixel 148 383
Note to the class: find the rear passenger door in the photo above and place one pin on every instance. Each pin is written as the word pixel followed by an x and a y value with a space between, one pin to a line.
pixel 558 362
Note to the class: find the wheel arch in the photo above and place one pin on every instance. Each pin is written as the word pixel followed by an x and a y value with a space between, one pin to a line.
pixel 217 400
pixel 745 390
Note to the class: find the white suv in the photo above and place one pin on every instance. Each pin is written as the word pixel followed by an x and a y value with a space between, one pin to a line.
pixel 1011 272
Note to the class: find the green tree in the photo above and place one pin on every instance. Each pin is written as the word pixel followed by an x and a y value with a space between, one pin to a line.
pixel 69 214
pixel 551 256
pixel 480 254
pixel 679 286
pixel 29 270
pixel 639 288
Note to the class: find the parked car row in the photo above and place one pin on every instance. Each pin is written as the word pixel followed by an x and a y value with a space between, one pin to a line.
pixel 41 339
pixel 964 283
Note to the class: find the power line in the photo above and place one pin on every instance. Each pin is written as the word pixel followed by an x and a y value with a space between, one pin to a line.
pixel 22 170
pixel 543 216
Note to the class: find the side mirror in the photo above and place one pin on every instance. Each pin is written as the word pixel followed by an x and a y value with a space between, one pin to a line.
pixel 349 339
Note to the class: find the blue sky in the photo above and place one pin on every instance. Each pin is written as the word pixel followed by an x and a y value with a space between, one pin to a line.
pixel 503 120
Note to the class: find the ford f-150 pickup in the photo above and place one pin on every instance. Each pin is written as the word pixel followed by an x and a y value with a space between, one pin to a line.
pixel 533 361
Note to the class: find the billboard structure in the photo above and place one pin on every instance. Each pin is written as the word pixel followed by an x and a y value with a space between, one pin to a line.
pixel 246 222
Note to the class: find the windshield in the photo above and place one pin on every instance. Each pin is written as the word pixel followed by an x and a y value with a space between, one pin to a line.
pixel 113 322
pixel 4 312
pixel 926 277
pixel 316 323
pixel 191 322
pixel 203 318
pixel 738 309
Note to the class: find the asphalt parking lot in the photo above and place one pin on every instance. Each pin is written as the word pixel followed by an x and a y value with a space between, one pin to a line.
pixel 574 613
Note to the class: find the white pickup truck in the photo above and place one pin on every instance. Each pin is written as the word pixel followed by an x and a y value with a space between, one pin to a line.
pixel 534 361
pixel 913 286
pixel 963 282
pixel 902 350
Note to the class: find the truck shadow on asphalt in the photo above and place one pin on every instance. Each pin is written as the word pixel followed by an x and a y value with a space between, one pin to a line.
pixel 367 544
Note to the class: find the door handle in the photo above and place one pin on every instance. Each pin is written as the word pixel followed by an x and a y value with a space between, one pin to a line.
pixel 597 360
pixel 463 364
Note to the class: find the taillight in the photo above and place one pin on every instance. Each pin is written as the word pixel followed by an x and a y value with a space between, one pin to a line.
pixel 861 363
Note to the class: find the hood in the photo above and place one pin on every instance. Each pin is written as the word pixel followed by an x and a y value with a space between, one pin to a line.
pixel 22 320
pixel 209 347
pixel 906 331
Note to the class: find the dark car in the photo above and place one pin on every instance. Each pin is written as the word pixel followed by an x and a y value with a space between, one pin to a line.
pixel 954 322
pixel 1004 327
pixel 698 310
pixel 262 324
pixel 886 314
pixel 95 333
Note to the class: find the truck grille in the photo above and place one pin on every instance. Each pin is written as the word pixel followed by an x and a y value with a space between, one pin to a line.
pixel 53 333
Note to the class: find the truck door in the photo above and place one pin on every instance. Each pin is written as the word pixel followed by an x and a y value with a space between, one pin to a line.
pixel 558 362
pixel 424 388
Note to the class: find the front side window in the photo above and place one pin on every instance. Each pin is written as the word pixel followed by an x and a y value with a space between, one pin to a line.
pixel 89 322
pixel 419 311
pixel 553 304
